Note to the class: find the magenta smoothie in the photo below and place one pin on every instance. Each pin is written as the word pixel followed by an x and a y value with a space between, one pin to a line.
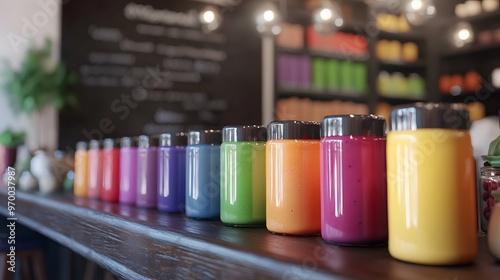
pixel 353 189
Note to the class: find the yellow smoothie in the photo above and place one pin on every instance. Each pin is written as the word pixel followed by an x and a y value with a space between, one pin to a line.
pixel 431 196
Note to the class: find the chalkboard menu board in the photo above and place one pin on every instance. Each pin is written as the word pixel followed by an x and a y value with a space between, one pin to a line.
pixel 148 67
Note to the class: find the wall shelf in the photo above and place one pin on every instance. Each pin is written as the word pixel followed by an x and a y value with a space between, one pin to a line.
pixel 399 99
pixel 324 54
pixel 482 17
pixel 472 96
pixel 401 36
pixel 135 243
pixel 354 26
pixel 340 56
pixel 324 95
pixel 402 64
pixel 472 50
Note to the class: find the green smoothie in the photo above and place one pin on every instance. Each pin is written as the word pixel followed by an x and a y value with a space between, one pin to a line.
pixel 243 183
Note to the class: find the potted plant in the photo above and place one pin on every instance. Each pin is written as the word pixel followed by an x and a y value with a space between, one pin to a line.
pixel 9 141
pixel 35 87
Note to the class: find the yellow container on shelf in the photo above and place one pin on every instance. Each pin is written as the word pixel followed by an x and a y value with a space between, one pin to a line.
pixel 403 25
pixel 410 52
pixel 431 185
pixel 394 50
pixel 381 49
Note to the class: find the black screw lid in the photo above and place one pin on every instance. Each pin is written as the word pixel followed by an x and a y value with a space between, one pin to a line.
pixel 356 125
pixel 110 143
pixel 205 137
pixel 95 144
pixel 146 141
pixel 236 133
pixel 278 130
pixel 82 145
pixel 429 115
pixel 177 139
pixel 127 142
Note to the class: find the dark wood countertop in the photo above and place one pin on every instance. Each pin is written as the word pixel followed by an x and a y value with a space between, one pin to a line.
pixel 137 243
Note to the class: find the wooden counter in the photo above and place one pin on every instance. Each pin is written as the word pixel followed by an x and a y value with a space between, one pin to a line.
pixel 138 244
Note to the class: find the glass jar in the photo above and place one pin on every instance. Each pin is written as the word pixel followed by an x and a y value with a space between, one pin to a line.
pixel 128 170
pixel 95 169
pixel 203 174
pixel 172 172
pixel 110 170
pixel 431 185
pixel 494 228
pixel 353 180
pixel 81 169
pixel 490 181
pixel 243 175
pixel 293 204
pixel 147 171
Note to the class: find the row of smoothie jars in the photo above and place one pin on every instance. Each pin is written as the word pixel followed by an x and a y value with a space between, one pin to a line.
pixel 342 178
pixel 329 178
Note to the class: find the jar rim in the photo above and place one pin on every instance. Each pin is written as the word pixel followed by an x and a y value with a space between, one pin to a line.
pixel 490 171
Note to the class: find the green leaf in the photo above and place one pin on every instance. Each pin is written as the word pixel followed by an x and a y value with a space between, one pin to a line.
pixel 33 85
pixel 9 138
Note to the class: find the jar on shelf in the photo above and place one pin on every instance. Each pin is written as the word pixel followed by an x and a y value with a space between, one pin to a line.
pixel 172 172
pixel 293 204
pixel 80 188
pixel 494 227
pixel 95 157
pixel 431 185
pixel 110 170
pixel 128 170
pixel 490 181
pixel 353 180
pixel 243 175
pixel 147 171
pixel 203 174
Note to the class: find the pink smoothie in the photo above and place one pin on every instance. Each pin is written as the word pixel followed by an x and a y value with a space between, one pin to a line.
pixel 353 190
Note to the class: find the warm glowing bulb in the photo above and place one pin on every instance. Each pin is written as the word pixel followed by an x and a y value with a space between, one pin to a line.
pixel 325 14
pixel 268 15
pixel 463 34
pixel 416 5
pixel 208 16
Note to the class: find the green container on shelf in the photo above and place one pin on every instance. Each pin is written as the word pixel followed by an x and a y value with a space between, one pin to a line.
pixel 384 83
pixel 360 77
pixel 416 85
pixel 333 74
pixel 319 73
pixel 347 76
pixel 399 85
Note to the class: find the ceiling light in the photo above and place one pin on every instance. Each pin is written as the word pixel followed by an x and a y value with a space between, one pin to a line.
pixel 210 18
pixel 462 34
pixel 327 18
pixel 268 19
pixel 419 11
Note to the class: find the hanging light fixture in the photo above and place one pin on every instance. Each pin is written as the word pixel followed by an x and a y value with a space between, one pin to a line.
pixel 462 34
pixel 418 11
pixel 268 19
pixel 210 18
pixel 327 17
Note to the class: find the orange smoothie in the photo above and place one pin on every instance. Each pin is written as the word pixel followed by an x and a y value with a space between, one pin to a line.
pixel 293 186
pixel 81 170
